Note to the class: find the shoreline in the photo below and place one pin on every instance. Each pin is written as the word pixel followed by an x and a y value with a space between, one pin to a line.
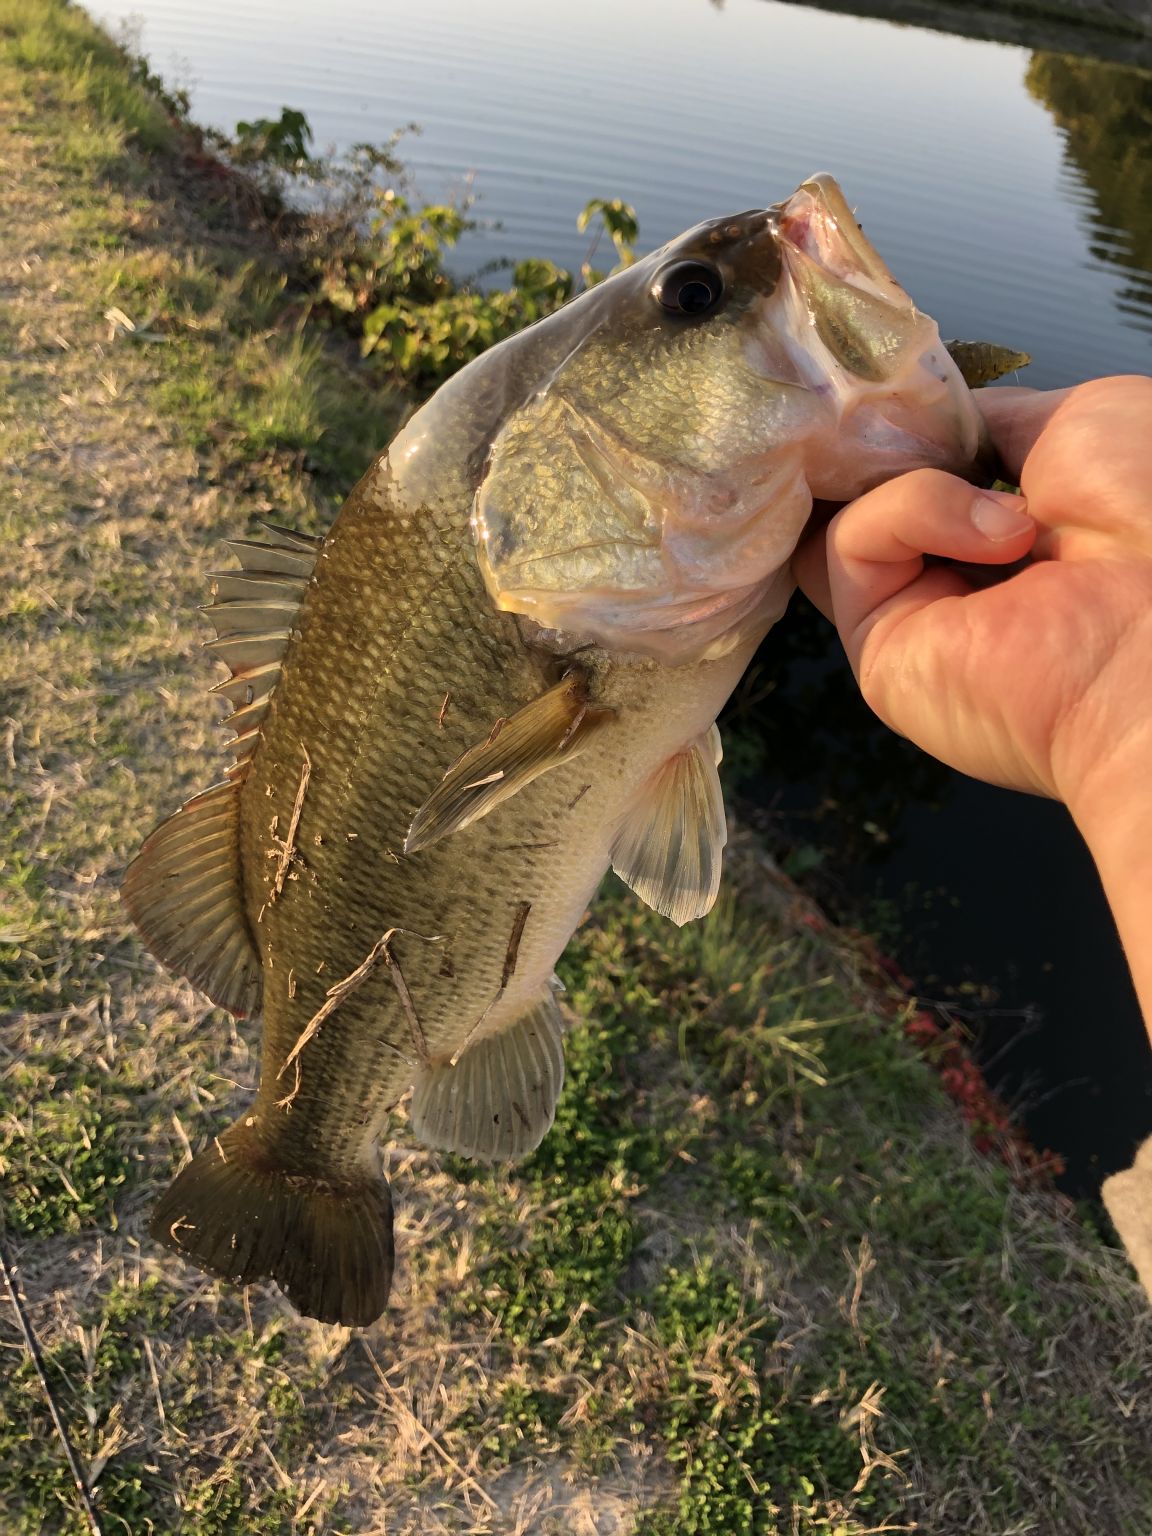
pixel 1119 33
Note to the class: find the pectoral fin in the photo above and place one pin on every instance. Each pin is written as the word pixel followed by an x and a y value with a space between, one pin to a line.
pixel 545 733
pixel 499 1100
pixel 671 848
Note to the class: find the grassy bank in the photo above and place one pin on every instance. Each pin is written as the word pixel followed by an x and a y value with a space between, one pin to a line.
pixel 755 1281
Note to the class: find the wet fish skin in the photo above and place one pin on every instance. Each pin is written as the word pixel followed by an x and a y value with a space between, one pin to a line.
pixel 587 532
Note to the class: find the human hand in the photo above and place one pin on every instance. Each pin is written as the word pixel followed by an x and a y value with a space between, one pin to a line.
pixel 1043 682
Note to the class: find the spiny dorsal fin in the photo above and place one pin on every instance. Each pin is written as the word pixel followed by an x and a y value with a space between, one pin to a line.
pixel 183 892
pixel 183 889
pixel 249 684
pixel 671 848
pixel 254 611
pixel 255 649
pixel 499 1100
pixel 292 538
pixel 276 559
pixel 546 732
pixel 252 616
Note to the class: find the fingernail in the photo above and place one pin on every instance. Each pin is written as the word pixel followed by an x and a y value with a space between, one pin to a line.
pixel 999 515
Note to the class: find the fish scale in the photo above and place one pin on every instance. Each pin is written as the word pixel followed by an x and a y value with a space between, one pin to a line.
pixel 365 784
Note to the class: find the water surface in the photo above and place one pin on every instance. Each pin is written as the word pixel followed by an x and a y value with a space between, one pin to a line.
pixel 688 110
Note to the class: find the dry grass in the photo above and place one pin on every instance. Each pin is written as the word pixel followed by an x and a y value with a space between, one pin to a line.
pixel 755 1281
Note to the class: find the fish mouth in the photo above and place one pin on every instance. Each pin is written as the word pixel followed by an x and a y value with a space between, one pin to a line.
pixel 855 341
pixel 817 225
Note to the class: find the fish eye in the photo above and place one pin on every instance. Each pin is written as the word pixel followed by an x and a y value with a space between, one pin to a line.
pixel 688 288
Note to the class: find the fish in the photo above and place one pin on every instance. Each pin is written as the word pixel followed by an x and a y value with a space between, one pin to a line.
pixel 494 678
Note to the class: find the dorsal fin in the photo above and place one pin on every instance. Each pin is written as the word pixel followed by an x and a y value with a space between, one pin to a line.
pixel 290 538
pixel 254 611
pixel 183 890
pixel 184 894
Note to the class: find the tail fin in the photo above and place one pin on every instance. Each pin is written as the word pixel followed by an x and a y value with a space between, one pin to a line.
pixel 236 1213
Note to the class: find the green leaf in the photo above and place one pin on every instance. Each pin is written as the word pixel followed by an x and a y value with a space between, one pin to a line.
pixel 281 142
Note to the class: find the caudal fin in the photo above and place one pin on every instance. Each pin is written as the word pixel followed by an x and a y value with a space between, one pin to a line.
pixel 236 1213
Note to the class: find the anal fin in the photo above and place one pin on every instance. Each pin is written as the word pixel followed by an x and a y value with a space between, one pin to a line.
pixel 183 892
pixel 499 1100
pixel 550 730
pixel 670 849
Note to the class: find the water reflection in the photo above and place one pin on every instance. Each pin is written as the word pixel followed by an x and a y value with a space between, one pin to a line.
pixel 1105 115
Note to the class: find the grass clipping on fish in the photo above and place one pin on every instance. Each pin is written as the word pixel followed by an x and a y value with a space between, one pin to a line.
pixel 380 953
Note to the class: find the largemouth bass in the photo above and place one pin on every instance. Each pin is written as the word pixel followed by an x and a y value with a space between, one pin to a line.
pixel 496 677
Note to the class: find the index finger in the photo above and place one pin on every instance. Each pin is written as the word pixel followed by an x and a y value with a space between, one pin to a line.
pixel 1016 417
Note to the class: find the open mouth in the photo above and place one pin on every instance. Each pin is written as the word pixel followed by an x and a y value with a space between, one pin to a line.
pixel 817 223
pixel 793 224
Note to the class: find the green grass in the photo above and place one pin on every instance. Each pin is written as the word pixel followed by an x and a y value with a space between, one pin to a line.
pixel 62 1155
pixel 732 1138
pixel 755 1280
pixel 110 94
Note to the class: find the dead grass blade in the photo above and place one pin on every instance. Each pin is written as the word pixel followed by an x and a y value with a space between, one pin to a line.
pixel 83 1493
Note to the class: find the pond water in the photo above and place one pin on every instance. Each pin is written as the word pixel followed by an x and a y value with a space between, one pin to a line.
pixel 1010 190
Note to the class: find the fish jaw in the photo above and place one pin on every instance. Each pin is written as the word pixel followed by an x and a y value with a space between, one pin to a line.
pixel 893 399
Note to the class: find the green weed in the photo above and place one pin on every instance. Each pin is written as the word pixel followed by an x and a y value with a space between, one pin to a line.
pixel 62 1158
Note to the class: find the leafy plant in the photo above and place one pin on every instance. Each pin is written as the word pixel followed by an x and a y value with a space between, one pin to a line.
pixel 281 141
pixel 617 220
pixel 374 256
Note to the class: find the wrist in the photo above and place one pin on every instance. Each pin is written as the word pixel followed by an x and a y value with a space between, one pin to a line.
pixel 1113 810
pixel 1110 797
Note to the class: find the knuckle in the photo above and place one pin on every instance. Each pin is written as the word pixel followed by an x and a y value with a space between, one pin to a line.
pixel 932 483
